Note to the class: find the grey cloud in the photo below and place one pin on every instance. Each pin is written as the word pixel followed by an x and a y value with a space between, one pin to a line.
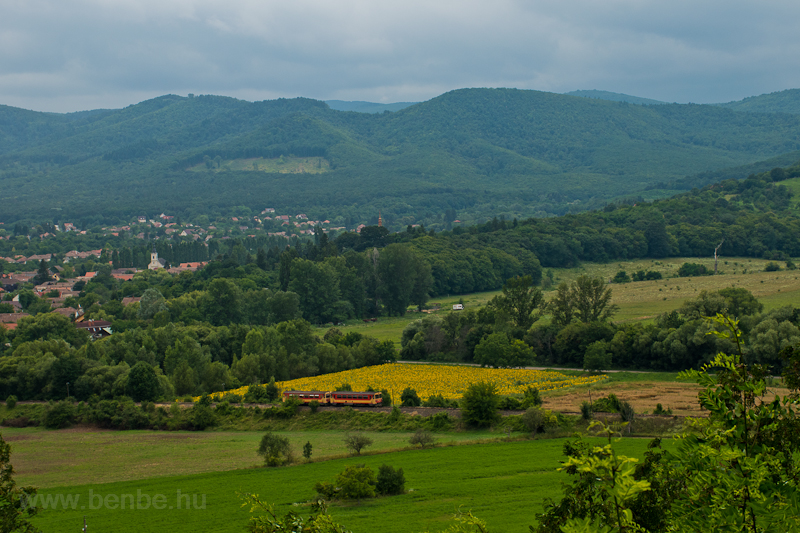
pixel 65 56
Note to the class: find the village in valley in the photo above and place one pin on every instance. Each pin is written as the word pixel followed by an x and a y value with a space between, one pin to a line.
pixel 64 268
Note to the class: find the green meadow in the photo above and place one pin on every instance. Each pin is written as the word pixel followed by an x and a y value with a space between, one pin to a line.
pixel 45 458
pixel 637 301
pixel 502 482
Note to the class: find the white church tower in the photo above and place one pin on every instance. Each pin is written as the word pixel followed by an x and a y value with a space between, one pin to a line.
pixel 155 262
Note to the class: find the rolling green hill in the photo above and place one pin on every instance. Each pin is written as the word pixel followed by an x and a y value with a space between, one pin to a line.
pixel 481 152
pixel 778 102
pixel 366 107
pixel 615 97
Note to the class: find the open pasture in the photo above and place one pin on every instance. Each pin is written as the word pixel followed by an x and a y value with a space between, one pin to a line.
pixel 79 456
pixel 504 483
pixel 640 300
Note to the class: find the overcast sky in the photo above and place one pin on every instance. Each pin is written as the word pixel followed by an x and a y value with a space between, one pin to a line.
pixel 71 55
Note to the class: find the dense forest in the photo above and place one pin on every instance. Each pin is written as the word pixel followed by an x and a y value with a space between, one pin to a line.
pixel 479 152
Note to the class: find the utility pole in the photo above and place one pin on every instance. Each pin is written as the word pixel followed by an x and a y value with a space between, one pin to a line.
pixel 715 256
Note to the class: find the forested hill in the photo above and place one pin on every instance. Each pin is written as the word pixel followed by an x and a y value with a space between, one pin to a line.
pixel 366 107
pixel 778 102
pixel 755 217
pixel 478 152
pixel 615 97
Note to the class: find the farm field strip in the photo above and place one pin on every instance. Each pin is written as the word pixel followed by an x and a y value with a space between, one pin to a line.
pixel 504 483
pixel 429 380
pixel 641 300
pixel 47 458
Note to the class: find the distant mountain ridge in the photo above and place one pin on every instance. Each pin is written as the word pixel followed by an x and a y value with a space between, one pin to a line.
pixel 479 152
pixel 615 97
pixel 787 101
pixel 367 107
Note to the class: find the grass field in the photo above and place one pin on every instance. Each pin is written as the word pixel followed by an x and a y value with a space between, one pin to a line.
pixel 504 483
pixel 279 165
pixel 641 300
pixel 44 458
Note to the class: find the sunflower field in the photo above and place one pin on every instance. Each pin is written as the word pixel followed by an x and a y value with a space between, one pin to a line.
pixel 448 380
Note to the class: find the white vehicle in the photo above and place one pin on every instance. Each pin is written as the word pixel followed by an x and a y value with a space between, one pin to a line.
pixel 458 307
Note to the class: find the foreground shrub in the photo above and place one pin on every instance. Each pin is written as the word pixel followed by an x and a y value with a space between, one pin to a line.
pixel 659 410
pixel 609 404
pixel 269 522
pixel 356 442
pixel 60 415
pixel 586 410
pixel 421 438
pixel 509 403
pixel 531 398
pixel 275 450
pixel 409 398
pixel 355 483
pixel 11 402
pixel 534 420
pixel 437 400
pixel 390 481
pixel 202 417
pixel 479 405
pixel 688 270
pixel 386 398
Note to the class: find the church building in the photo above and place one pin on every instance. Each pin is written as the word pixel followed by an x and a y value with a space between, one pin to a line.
pixel 155 262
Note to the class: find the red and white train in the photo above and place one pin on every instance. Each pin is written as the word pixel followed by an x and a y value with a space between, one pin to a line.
pixel 372 399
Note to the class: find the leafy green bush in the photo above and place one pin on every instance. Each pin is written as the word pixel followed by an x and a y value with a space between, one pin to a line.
pixel 772 267
pixel 386 398
pixel 60 415
pixel 422 438
pixel 597 357
pixel 609 404
pixel 355 442
pixel 11 402
pixel 479 405
pixel 621 277
pixel 409 398
pixel 256 394
pixel 269 522
pixel 438 400
pixel 587 410
pixel 355 483
pixel 202 417
pixel 289 408
pixel 509 403
pixel 275 450
pixel 688 270
pixel 231 397
pixel 440 421
pixel 641 275
pixel 223 408
pixel 659 410
pixel 271 390
pixel 531 398
pixel 627 413
pixel 534 420
pixel 390 481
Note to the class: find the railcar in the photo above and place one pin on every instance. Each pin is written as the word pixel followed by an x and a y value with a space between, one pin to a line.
pixel 369 398
pixel 322 397
pixel 356 398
